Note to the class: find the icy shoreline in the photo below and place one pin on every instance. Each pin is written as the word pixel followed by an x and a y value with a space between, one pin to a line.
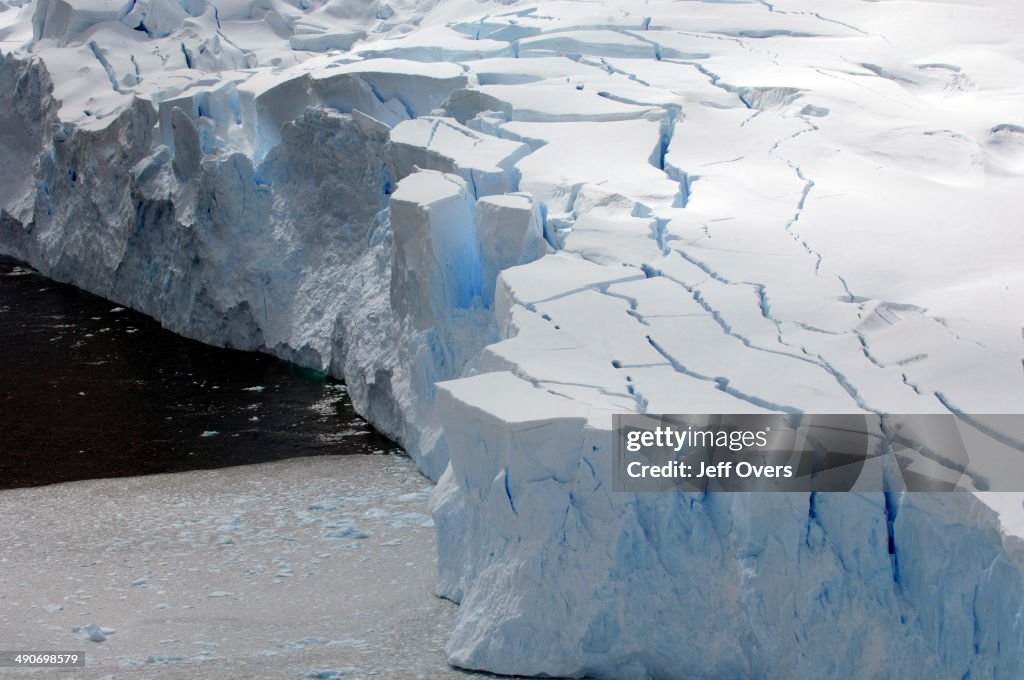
pixel 727 187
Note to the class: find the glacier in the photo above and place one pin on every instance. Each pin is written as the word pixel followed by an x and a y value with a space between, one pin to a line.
pixel 502 221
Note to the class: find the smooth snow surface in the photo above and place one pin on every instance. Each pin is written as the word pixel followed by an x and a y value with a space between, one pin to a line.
pixel 611 207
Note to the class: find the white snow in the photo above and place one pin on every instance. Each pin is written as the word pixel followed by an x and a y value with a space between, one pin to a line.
pixel 502 222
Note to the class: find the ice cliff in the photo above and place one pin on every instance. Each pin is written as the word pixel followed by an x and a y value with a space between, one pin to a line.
pixel 501 222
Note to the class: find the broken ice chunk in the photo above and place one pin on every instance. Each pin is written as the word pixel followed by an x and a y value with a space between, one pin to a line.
pixel 93 632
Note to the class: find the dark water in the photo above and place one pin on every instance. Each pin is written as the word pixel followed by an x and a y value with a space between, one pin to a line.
pixel 90 390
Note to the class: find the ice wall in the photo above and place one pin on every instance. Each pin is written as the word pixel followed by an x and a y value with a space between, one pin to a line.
pixel 744 199
pixel 557 574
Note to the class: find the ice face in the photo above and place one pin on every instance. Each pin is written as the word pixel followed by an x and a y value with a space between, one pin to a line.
pixel 575 580
pixel 503 223
pixel 436 263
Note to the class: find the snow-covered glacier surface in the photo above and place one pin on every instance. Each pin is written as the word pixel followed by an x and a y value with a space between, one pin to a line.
pixel 502 222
